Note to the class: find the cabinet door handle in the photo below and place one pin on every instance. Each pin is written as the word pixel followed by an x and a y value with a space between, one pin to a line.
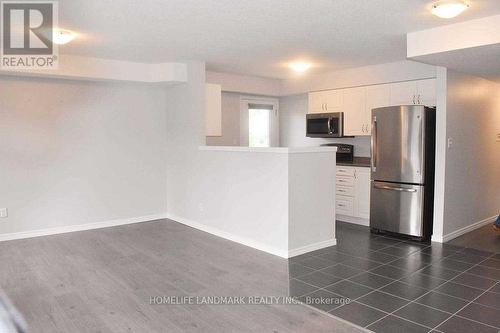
pixel 419 99
pixel 414 99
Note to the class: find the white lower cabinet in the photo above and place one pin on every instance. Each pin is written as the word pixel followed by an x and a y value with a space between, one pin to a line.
pixel 345 205
pixel 362 193
pixel 353 194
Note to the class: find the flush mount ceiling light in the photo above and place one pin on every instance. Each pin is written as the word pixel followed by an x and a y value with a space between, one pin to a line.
pixel 300 66
pixel 61 37
pixel 449 9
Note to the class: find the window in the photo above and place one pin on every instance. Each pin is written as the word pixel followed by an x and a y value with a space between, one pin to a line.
pixel 259 123
pixel 258 128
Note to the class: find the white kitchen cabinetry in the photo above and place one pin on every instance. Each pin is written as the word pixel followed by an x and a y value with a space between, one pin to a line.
pixel 403 93
pixel 357 103
pixel 334 101
pixel 325 101
pixel 414 92
pixel 426 92
pixel 376 97
pixel 362 193
pixel 353 194
pixel 317 101
pixel 213 110
pixel 354 109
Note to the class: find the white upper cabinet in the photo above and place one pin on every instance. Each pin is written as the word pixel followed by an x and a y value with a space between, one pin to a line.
pixel 317 101
pixel 354 109
pixel 426 92
pixel 421 92
pixel 334 101
pixel 376 97
pixel 403 93
pixel 325 101
pixel 213 110
pixel 357 103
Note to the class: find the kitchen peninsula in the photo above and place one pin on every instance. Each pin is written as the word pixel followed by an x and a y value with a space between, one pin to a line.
pixel 279 200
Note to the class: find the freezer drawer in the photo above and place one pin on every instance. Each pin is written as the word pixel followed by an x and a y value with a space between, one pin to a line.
pixel 397 208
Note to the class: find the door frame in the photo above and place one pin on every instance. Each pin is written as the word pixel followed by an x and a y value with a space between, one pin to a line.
pixel 273 121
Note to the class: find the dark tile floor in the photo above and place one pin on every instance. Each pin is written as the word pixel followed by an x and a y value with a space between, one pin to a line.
pixel 391 285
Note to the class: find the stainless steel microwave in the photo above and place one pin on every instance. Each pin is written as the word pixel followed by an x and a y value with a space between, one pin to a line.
pixel 325 125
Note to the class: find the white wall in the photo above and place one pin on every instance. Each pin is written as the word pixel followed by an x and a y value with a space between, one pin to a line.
pixel 293 110
pixel 80 152
pixel 241 195
pixel 472 180
pixel 311 179
pixel 360 76
pixel 463 35
pixel 440 158
pixel 214 190
pixel 245 84
pixel 73 67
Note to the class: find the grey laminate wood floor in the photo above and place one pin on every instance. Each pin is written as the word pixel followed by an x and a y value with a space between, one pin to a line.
pixel 102 281
pixel 484 239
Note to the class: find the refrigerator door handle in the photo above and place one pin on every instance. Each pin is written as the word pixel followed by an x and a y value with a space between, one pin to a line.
pixel 400 189
pixel 374 144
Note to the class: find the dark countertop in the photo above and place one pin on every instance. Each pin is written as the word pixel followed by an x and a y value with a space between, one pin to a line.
pixel 357 162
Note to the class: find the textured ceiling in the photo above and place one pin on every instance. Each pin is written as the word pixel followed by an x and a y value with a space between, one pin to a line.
pixel 252 37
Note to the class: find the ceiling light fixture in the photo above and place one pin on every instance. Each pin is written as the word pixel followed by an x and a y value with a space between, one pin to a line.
pixel 449 9
pixel 300 66
pixel 61 37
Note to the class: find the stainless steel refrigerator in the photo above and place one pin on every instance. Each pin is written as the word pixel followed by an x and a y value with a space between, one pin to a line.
pixel 402 175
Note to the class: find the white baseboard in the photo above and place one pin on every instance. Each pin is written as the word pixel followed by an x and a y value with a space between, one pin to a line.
pixel 79 227
pixel 354 220
pixel 464 230
pixel 313 247
pixel 234 238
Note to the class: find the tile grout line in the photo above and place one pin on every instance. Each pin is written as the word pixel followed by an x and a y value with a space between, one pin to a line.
pixel 451 314
pixel 472 301
pixel 379 289
pixel 388 263
pixel 410 302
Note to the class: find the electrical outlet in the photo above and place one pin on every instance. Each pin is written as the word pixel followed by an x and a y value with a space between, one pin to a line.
pixel 3 212
pixel 450 142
